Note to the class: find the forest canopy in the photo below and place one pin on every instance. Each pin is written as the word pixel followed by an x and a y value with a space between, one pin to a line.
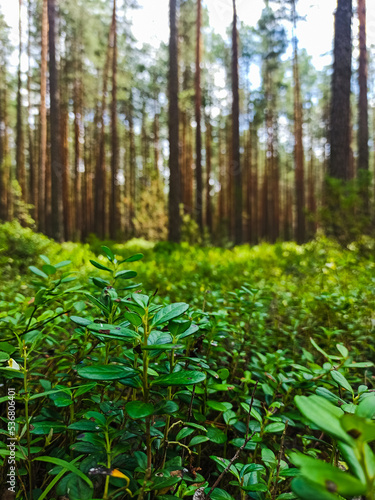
pixel 238 129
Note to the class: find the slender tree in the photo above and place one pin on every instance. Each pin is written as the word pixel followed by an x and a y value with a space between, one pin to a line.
pixel 113 208
pixel 363 133
pixel 236 164
pixel 43 119
pixel 33 175
pixel 55 127
pixel 339 166
pixel 298 142
pixel 198 133
pixel 173 123
pixel 20 154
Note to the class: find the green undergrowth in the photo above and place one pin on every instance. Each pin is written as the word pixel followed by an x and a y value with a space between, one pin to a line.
pixel 163 371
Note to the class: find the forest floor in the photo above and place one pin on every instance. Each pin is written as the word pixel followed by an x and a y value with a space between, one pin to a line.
pixel 265 325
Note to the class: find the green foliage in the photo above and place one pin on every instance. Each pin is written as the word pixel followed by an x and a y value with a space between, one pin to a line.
pixel 236 370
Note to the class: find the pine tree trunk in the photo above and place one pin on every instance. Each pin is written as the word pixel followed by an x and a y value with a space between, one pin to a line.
pixel 340 111
pixel 55 125
pixel 20 154
pixel 363 133
pixel 173 123
pixel 298 144
pixel 132 169
pixel 78 136
pixel 64 116
pixel 198 132
pixel 43 121
pixel 100 175
pixel 208 175
pixel 113 208
pixel 33 174
pixel 236 165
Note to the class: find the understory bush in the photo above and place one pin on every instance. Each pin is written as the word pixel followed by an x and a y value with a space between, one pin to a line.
pixel 171 371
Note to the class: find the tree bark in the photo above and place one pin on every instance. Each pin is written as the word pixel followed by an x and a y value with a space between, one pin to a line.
pixel 33 174
pixel 198 132
pixel 173 122
pixel 298 142
pixel 55 125
pixel 20 154
pixel 208 175
pixel 43 121
pixel 340 109
pixel 363 133
pixel 236 164
pixel 113 208
pixel 100 175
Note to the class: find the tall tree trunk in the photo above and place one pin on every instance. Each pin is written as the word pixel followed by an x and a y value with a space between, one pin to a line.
pixel 363 134
pixel 248 184
pixel 5 181
pixel 236 164
pixel 173 123
pixel 100 176
pixel 198 132
pixel 20 154
pixel 113 208
pixel 156 144
pixel 43 120
pixel 208 175
pixel 132 168
pixel 56 149
pixel 298 142
pixel 64 117
pixel 33 174
pixel 340 110
pixel 78 137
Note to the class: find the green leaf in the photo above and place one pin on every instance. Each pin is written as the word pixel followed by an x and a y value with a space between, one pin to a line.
pixel 219 494
pixel 100 266
pixel 360 429
pixel 216 405
pixel 3 356
pixel 133 258
pixel 366 407
pixel 63 264
pixel 275 427
pixel 125 275
pixel 48 269
pixel 182 378
pixel 38 272
pixel 80 321
pixel 78 489
pixel 45 259
pixel 166 408
pixel 112 331
pixel 331 478
pixel 105 372
pixel 56 479
pixel 184 432
pixel 84 425
pixel 40 428
pixel 198 440
pixel 138 409
pixel 342 350
pixel 216 435
pixel 341 380
pixel 108 253
pixel 169 312
pixel 307 490
pixel 133 318
pixel 323 414
pixel 66 465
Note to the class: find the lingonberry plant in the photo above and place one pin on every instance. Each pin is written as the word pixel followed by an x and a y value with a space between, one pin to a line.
pixel 122 394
